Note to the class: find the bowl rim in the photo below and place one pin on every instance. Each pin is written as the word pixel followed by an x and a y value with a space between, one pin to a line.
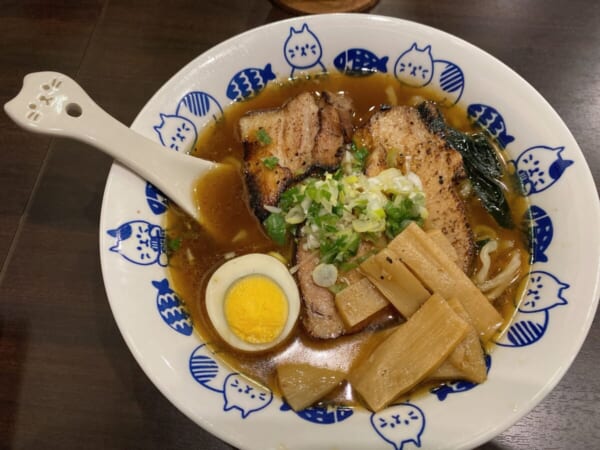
pixel 576 341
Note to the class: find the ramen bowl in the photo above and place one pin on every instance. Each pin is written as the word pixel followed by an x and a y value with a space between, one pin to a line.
pixel 539 345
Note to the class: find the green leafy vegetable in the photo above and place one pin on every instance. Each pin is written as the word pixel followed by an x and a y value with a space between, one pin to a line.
pixel 276 227
pixel 339 247
pixel 173 244
pixel 337 287
pixel 291 197
pixel 482 165
pixel 336 213
pixel 360 157
pixel 270 162
pixel 355 262
pixel 399 216
pixel 263 137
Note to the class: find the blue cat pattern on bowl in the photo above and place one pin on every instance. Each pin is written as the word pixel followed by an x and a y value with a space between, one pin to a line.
pixel 416 67
pixel 238 392
pixel 540 167
pixel 400 424
pixel 176 132
pixel 302 50
pixel 140 242
pixel 544 293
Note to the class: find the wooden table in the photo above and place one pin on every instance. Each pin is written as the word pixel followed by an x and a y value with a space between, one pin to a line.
pixel 67 379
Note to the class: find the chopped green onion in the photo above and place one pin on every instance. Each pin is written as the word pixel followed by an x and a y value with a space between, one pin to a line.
pixel 290 197
pixel 335 213
pixel 337 287
pixel 263 137
pixel 360 156
pixel 173 244
pixel 295 215
pixel 270 162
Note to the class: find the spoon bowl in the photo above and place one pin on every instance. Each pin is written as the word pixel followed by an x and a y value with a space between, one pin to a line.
pixel 54 104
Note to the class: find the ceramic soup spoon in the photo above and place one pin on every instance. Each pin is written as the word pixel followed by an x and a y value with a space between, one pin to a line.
pixel 52 103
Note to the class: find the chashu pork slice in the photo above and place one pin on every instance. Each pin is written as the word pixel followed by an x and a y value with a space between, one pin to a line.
pixel 406 134
pixel 320 317
pixel 286 144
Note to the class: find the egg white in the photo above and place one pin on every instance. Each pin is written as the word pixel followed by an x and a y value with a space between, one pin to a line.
pixel 242 266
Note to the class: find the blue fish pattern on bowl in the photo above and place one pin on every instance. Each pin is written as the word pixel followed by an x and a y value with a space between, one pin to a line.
pixel 360 62
pixel 540 167
pixel 492 121
pixel 171 308
pixel 451 78
pixel 454 387
pixel 157 201
pixel 302 50
pixel 249 82
pixel 544 293
pixel 140 242
pixel 541 231
pixel 205 369
pixel 400 424
pixel 179 131
pixel 321 415
pixel 199 105
pixel 416 67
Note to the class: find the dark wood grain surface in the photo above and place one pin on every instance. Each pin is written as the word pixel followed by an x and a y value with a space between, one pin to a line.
pixel 67 379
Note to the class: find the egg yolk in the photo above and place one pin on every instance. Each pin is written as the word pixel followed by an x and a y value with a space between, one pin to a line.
pixel 256 309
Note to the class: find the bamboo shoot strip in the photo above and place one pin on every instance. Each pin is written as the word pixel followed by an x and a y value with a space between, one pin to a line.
pixel 467 361
pixel 359 301
pixel 446 372
pixel 439 274
pixel 468 356
pixel 409 355
pixel 303 384
pixel 395 281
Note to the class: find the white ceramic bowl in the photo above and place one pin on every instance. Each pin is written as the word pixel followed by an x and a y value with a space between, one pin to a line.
pixel 543 340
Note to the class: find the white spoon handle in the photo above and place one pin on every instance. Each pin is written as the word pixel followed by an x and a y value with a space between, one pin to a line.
pixel 52 103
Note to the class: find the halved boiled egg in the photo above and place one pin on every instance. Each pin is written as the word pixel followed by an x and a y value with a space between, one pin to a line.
pixel 253 302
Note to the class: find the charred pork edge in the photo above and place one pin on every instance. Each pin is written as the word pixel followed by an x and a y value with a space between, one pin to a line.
pixel 433 119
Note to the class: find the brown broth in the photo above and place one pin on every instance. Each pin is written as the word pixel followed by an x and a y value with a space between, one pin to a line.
pixel 223 200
